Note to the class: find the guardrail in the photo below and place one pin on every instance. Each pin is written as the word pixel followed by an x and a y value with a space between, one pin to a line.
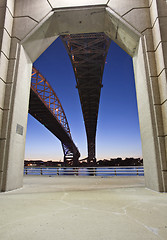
pixel 82 171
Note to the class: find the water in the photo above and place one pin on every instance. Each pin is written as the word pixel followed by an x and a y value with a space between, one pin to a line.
pixel 100 171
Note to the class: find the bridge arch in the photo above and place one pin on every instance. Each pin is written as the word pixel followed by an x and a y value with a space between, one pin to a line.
pixel 133 25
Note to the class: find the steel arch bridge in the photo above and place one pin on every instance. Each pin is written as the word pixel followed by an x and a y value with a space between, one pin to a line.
pixel 88 53
pixel 45 106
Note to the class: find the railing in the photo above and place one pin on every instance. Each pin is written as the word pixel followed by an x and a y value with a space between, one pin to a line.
pixel 89 171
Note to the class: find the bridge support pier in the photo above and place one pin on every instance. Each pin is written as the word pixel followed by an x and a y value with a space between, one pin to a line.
pixel 91 152
pixel 71 154
pixel 74 160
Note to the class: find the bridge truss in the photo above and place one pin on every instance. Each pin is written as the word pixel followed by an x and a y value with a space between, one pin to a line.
pixel 45 106
pixel 88 53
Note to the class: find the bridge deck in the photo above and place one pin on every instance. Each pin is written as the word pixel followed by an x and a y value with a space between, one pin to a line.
pixel 45 106
pixel 38 110
pixel 87 53
pixel 83 208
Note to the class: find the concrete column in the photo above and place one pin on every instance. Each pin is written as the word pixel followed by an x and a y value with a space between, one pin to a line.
pixel 15 121
pixel 158 11
pixel 6 24
pixel 142 16
pixel 147 119
pixel 14 69
pixel 155 38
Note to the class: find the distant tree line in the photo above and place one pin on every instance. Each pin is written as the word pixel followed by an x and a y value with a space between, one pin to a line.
pixel 112 162
pixel 121 162
pixel 40 163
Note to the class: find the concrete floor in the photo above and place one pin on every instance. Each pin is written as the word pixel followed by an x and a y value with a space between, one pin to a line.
pixel 83 208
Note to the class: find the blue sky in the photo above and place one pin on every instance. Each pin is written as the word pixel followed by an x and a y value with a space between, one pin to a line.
pixel 118 133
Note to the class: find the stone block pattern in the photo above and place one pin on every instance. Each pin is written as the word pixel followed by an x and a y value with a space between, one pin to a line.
pixel 36 10
pixel 6 25
pixel 158 13
pixel 6 22
pixel 136 12
pixel 75 3
pixel 150 19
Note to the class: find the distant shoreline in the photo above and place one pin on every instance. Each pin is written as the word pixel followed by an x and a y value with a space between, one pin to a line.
pixel 105 162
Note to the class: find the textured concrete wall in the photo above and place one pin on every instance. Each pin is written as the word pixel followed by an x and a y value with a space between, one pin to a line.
pixel 138 14
pixel 29 27
pixel 158 13
pixel 6 24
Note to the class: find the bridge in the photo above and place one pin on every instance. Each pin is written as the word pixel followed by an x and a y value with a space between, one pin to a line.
pixel 45 107
pixel 88 53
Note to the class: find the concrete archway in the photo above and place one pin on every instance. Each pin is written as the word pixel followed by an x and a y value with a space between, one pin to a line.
pixel 133 26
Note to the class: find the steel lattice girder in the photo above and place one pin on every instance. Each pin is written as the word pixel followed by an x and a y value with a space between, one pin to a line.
pixel 88 54
pixel 45 106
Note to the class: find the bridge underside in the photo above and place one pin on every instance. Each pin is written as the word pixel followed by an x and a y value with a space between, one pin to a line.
pixel 88 53
pixel 45 107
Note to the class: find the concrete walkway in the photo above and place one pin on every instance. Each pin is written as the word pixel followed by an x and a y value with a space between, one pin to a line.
pixel 83 208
